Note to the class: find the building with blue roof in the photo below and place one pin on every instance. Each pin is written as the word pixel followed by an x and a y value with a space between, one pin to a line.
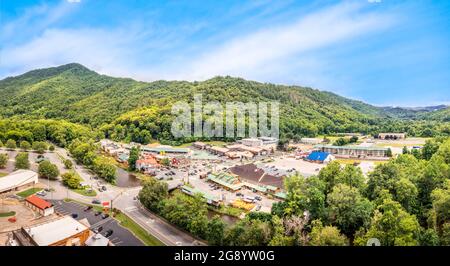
pixel 319 157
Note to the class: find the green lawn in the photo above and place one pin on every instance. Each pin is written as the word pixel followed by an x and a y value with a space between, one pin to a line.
pixel 228 210
pixel 85 192
pixel 28 192
pixel 137 230
pixel 3 174
pixel 7 214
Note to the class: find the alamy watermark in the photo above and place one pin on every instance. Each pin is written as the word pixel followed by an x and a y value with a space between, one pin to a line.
pixel 230 120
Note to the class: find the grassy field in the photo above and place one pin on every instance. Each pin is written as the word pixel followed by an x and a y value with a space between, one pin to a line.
pixel 28 192
pixel 228 210
pixel 3 174
pixel 85 192
pixel 137 230
pixel 7 214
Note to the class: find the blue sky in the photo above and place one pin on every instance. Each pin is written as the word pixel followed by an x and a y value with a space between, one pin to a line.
pixel 384 52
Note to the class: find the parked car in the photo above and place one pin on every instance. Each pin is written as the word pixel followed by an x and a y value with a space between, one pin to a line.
pixel 109 232
pixel 41 193
pixel 258 207
pixel 97 213
pixel 88 208
pixel 98 229
pixel 40 158
pixel 239 194
pixel 74 215
pixel 258 198
pixel 104 188
pixel 105 215
pixel 96 201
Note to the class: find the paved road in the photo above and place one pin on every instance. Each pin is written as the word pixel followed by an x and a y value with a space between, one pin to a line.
pixel 120 237
pixel 124 199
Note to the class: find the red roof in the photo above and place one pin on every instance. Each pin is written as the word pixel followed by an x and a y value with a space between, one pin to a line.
pixel 38 202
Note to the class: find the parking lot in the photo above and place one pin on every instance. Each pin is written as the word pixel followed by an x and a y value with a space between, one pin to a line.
pixel 120 236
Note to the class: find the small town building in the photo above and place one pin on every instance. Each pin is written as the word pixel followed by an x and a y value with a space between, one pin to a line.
pixel 353 151
pixel 252 142
pixel 200 145
pixel 250 173
pixel 64 231
pixel 218 150
pixel 210 199
pixel 319 157
pixel 239 155
pixel 166 150
pixel 18 180
pixel 147 163
pixel 311 141
pixel 392 136
pixel 255 150
pixel 228 181
pixel 39 205
pixel 97 240
pixel 269 141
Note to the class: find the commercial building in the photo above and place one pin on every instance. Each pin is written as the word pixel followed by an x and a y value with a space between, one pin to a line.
pixel 255 150
pixel 353 151
pixel 39 205
pixel 166 150
pixel 392 136
pixel 200 145
pixel 210 199
pixel 97 240
pixel 259 142
pixel 18 180
pixel 320 157
pixel 228 181
pixel 250 173
pixel 218 150
pixel 64 231
pixel 311 141
pixel 147 163
pixel 239 154
pixel 268 141
pixel 252 142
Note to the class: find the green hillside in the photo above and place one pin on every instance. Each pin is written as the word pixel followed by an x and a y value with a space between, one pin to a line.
pixel 128 109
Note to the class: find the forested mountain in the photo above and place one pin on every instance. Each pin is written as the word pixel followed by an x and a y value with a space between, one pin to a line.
pixel 140 111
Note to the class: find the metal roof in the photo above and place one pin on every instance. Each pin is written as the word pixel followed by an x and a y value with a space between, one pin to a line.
pixel 351 147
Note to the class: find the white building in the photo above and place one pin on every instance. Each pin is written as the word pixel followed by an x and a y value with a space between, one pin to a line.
pixel 312 141
pixel 64 231
pixel 252 142
pixel 17 180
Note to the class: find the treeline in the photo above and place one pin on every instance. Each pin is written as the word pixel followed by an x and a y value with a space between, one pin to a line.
pixel 85 152
pixel 57 131
pixel 138 111
pixel 404 202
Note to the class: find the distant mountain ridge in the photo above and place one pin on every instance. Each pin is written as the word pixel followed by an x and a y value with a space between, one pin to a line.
pixel 78 94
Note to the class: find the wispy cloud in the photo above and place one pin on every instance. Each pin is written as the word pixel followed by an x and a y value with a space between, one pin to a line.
pixel 252 55
pixel 267 53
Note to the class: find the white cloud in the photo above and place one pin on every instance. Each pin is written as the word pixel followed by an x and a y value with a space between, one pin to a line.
pixel 252 55
pixel 74 1
pixel 269 54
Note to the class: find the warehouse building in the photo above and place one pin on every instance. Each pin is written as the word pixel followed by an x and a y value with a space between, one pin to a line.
pixel 392 136
pixel 353 151
pixel 18 180
pixel 64 231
